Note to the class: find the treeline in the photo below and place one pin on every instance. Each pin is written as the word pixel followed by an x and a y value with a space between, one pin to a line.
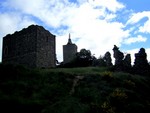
pixel 84 58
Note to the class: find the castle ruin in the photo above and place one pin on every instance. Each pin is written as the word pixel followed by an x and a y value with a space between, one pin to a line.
pixel 69 51
pixel 33 47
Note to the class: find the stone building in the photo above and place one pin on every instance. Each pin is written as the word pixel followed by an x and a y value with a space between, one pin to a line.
pixel 33 47
pixel 69 51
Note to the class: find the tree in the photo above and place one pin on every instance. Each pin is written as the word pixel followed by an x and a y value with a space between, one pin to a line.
pixel 84 54
pixel 99 62
pixel 84 58
pixel 107 59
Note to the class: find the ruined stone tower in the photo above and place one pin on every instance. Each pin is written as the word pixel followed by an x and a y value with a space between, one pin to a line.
pixel 33 47
pixel 69 51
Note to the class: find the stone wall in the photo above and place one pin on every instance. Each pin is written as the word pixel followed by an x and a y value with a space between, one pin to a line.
pixel 46 54
pixel 69 52
pixel 28 47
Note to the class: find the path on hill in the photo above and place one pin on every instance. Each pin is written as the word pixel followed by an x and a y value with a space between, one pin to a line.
pixel 75 83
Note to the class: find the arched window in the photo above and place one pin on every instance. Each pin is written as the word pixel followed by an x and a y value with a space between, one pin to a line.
pixel 6 51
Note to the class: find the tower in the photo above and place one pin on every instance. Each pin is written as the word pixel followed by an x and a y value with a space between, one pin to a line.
pixel 69 51
pixel 33 47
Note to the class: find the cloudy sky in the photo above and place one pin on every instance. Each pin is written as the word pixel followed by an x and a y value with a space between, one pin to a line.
pixel 95 25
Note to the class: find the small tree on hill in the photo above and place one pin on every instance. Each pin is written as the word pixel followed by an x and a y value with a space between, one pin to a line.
pixel 84 58
pixel 107 59
pixel 100 62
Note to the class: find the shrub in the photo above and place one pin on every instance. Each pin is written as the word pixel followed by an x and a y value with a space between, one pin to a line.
pixel 107 108
pixel 107 75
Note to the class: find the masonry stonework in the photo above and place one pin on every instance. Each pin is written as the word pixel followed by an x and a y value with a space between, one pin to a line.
pixel 33 47
pixel 69 51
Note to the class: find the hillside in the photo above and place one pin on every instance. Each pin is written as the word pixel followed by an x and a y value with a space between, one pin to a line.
pixel 72 90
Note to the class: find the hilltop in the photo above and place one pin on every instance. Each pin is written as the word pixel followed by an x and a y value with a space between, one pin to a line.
pixel 72 90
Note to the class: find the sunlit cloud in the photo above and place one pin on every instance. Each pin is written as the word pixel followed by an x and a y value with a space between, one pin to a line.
pixel 93 24
pixel 135 39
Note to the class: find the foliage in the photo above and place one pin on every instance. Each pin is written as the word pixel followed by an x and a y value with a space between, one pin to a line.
pixel 84 58
pixel 99 62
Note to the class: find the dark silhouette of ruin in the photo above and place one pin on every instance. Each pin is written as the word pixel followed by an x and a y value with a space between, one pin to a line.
pixel 69 51
pixel 141 64
pixel 33 47
pixel 118 55
pixel 127 63
pixel 121 63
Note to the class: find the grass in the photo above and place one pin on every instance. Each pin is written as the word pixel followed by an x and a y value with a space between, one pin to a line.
pixel 81 70
pixel 48 90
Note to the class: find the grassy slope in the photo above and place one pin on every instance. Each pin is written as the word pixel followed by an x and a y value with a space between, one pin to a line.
pixel 48 91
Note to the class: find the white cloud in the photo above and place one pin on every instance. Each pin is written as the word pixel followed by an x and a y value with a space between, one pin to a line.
pixel 111 5
pixel 131 40
pixel 89 22
pixel 12 22
pixel 137 17
pixel 51 12
pixel 101 39
pixel 98 35
pixel 146 27
pixel 148 54
pixel 8 23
